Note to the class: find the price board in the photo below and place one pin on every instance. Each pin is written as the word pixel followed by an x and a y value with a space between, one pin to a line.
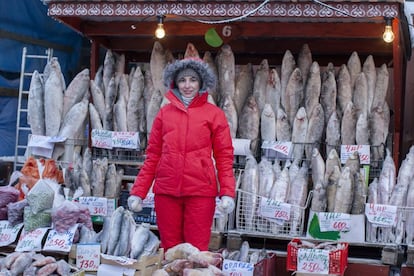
pixel 236 268
pixel 334 221
pixel 8 233
pixel 56 241
pixel 274 210
pixel 381 214
pixel 312 260
pixel 31 240
pixel 98 206
pixel 88 256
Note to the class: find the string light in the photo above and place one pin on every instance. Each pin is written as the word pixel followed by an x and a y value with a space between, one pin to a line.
pixel 388 35
pixel 160 32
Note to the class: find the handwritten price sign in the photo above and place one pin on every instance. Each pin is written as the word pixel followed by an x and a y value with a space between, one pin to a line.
pixel 235 268
pixel 60 241
pixel 88 256
pixel 101 138
pixel 8 233
pixel 127 140
pixel 334 221
pixel 98 206
pixel 313 261
pixel 380 214
pixel 31 240
pixel 363 152
pixel 274 210
pixel 282 149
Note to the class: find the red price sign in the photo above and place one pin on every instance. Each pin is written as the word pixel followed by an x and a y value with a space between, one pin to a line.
pixel 311 267
pixel 87 264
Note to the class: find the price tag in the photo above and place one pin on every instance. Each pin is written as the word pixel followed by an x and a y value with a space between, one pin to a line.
pixel 126 140
pixel 281 149
pixel 31 240
pixel 380 214
pixel 235 268
pixel 8 233
pixel 98 206
pixel 334 222
pixel 313 261
pixel 274 210
pixel 60 241
pixel 363 152
pixel 88 256
pixel 101 138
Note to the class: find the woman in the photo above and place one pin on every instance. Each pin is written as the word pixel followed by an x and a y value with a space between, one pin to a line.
pixel 189 159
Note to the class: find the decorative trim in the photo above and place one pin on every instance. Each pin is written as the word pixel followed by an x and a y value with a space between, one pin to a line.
pixel 227 10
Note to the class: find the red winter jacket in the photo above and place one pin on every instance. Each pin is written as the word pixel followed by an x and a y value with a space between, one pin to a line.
pixel 180 148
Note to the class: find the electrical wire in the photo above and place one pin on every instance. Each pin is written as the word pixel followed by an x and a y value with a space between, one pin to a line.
pixel 333 8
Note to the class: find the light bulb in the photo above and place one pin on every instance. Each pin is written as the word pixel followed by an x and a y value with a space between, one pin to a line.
pixel 388 35
pixel 160 32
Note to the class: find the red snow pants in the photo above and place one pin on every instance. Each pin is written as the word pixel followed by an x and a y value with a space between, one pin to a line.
pixel 184 220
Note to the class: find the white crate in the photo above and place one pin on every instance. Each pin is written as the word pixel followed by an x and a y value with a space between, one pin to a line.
pixel 248 218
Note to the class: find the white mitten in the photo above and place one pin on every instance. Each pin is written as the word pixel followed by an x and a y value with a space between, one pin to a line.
pixel 226 205
pixel 135 203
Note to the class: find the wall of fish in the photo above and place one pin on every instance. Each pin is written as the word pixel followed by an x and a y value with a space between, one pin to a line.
pixel 317 108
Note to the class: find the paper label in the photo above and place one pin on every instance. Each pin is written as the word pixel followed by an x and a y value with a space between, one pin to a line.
pixel 273 209
pixel 31 240
pixel 313 261
pixel 235 268
pixel 98 206
pixel 334 222
pixel 101 138
pixel 363 151
pixel 126 140
pixel 60 241
pixel 88 256
pixel 380 214
pixel 8 233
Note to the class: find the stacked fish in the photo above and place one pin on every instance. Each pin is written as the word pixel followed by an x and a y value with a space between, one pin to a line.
pixel 244 254
pixel 394 189
pixel 56 110
pixel 95 177
pixel 286 183
pixel 120 236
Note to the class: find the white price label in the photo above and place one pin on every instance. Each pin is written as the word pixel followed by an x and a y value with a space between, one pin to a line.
pixel 273 209
pixel 380 214
pixel 60 241
pixel 8 233
pixel 313 261
pixel 334 221
pixel 31 240
pixel 98 206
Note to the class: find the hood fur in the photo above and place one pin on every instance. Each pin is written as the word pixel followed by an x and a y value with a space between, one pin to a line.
pixel 208 79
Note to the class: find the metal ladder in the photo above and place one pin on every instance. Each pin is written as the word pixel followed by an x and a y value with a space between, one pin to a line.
pixel 21 130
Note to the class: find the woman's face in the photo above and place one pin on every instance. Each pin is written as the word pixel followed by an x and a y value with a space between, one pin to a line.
pixel 188 86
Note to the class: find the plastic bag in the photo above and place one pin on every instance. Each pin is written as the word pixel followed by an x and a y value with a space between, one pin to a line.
pixel 15 211
pixel 40 197
pixel 32 221
pixel 8 194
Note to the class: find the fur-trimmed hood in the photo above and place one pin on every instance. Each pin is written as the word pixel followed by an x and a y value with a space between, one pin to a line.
pixel 208 79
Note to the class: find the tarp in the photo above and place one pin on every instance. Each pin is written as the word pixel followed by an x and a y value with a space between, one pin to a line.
pixel 25 23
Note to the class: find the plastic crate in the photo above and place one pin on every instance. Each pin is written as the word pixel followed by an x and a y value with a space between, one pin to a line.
pixel 266 267
pixel 338 259
pixel 257 224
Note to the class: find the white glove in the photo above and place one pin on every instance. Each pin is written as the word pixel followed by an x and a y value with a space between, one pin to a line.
pixel 135 203
pixel 226 205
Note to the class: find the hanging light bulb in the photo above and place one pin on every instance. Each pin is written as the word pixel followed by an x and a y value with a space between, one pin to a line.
pixel 160 32
pixel 388 35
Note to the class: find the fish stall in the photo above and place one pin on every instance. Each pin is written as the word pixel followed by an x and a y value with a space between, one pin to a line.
pixel 314 99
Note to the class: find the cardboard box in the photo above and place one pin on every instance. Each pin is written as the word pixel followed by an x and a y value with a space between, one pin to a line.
pixel 145 266
pixel 356 233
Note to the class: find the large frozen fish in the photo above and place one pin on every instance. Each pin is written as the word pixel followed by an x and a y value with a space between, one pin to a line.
pixel 319 200
pixel 108 69
pixel 123 247
pixel 226 71
pixel 230 111
pixel 293 95
pixel 100 166
pixel 360 194
pixel 381 87
pixel 157 64
pixel 315 130
pixel 362 130
pixel 300 127
pixel 378 122
pixel 249 184
pixel 120 115
pixel 208 58
pixel 268 124
pixel 280 189
pixel 372 197
pixel 354 67
pixel 283 127
pixel 298 192
pixel 260 84
pixel 371 74
pixel 244 86
pixel 273 90
pixel 344 192
pixel 332 160
pixel 98 99
pixel 386 179
pixel 153 108
pixel 305 62
pixel 344 88
pixel 313 87
pixel 266 177
pixel 288 65
pixel 136 92
pixel 328 94
pixel 73 122
pixel 333 132
pixel 35 105
pixel 115 229
pixel 123 87
pixel 53 102
pixel 332 185
pixel 112 187
pixel 94 117
pixel 360 94
pixel 77 89
pixel 348 125
pixel 249 122
pixel 85 182
pixel 110 98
